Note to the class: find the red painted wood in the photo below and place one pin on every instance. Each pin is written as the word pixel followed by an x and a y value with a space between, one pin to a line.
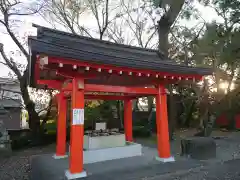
pixel 61 125
pixel 74 74
pixel 163 143
pixel 76 137
pixel 107 97
pixel 222 120
pixel 52 84
pixel 100 88
pixel 237 121
pixel 123 69
pixel 120 89
pixel 128 120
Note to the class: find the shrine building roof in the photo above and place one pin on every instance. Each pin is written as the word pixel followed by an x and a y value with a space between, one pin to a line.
pixel 65 45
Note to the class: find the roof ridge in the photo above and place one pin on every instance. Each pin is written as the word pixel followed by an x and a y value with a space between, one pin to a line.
pixel 99 53
pixel 41 28
pixel 57 41
pixel 96 44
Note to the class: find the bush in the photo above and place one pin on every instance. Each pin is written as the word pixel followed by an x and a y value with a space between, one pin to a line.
pixel 51 127
pixel 141 131
pixel 20 142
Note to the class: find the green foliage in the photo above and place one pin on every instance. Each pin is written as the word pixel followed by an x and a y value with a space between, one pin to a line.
pixel 189 10
pixel 92 112
pixel 209 46
pixel 141 131
pixel 156 3
pixel 230 8
pixel 230 52
pixel 20 141
pixel 189 115
pixel 101 112
pixel 105 111
pixel 220 42
pixel 51 127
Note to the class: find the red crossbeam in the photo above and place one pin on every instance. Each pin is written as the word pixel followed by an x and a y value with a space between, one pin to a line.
pixel 118 69
pixel 107 97
pixel 54 84
pixel 119 89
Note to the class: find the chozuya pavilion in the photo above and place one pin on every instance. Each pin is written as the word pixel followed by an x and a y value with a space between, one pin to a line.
pixel 86 68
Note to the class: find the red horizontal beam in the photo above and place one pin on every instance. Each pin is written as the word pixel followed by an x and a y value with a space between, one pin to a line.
pixel 54 84
pixel 51 84
pixel 144 72
pixel 74 74
pixel 107 97
pixel 104 97
pixel 120 89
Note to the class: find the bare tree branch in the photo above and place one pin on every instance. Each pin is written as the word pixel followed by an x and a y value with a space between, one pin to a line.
pixel 32 11
pixel 50 92
pixel 5 9
pixel 3 63
pixel 10 63
pixel 137 22
pixel 105 20
pixel 150 37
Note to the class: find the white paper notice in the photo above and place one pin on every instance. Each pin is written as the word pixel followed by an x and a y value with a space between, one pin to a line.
pixel 78 116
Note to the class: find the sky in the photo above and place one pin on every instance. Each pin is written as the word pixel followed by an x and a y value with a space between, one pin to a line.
pixel 207 13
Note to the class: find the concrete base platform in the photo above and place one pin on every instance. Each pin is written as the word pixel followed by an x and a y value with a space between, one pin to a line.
pixel 59 157
pixel 69 176
pixel 165 160
pixel 102 142
pixel 106 154
pixel 138 167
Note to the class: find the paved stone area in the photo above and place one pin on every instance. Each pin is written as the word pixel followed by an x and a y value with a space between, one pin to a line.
pixel 224 166
pixel 172 171
pixel 228 170
pixel 45 167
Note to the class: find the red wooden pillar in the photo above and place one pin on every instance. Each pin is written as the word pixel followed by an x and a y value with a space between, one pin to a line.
pixel 163 143
pixel 128 120
pixel 77 131
pixel 61 126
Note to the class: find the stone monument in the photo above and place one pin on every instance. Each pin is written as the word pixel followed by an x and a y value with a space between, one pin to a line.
pixel 5 143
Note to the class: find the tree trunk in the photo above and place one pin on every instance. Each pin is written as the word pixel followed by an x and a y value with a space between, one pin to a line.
pixel 135 105
pixel 206 120
pixel 189 115
pixel 171 113
pixel 120 114
pixel 164 26
pixel 230 82
pixel 150 103
pixel 163 39
pixel 34 119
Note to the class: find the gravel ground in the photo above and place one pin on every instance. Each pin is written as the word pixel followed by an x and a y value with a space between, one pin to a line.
pixel 17 166
pixel 228 170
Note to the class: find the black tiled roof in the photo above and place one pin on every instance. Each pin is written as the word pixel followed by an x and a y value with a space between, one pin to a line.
pixel 61 44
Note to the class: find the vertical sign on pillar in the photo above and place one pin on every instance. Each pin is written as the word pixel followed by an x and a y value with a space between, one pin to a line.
pixel 78 117
pixel 77 129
